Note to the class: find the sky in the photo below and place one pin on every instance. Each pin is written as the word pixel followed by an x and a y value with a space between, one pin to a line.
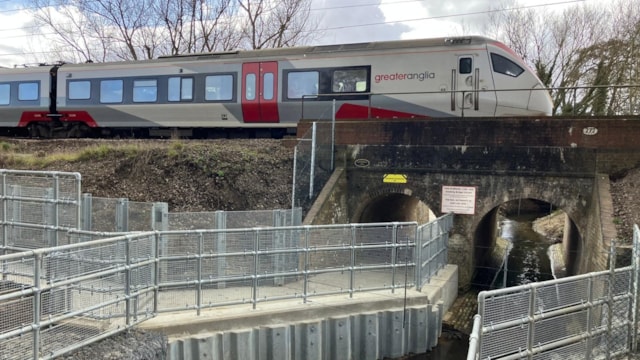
pixel 341 21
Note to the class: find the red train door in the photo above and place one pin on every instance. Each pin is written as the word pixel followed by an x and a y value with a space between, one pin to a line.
pixel 260 92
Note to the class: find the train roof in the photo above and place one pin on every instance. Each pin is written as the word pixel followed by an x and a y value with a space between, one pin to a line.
pixel 338 48
pixel 304 50
pixel 280 52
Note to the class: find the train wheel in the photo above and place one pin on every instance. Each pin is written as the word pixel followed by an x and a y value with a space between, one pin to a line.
pixel 34 132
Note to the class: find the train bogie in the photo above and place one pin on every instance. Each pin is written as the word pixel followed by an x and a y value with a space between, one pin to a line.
pixel 275 88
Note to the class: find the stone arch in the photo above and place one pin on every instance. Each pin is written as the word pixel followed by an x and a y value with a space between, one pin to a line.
pixel 391 203
pixel 486 228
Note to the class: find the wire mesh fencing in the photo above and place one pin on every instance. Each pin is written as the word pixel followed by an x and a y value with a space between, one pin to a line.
pixel 313 164
pixel 589 316
pixel 37 208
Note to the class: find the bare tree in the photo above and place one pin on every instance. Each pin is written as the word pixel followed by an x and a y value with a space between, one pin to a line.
pixel 269 24
pixel 103 30
pixel 580 52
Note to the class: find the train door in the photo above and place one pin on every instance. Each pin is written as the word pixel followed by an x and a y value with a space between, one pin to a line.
pixel 465 82
pixel 260 92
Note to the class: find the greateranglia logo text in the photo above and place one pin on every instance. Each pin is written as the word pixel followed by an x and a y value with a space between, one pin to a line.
pixel 422 76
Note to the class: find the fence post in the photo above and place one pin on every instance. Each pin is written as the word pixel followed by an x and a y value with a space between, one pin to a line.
pixel 417 255
pixel 352 261
pixel 86 222
pixel 122 215
pixel 160 216
pixel 636 293
pixel 221 245
pixel 199 273
pixel 394 255
pixel 256 265
pixel 279 244
pixel 127 280
pixel 610 297
pixel 37 303
pixel 5 207
pixel 312 166
pixel 305 291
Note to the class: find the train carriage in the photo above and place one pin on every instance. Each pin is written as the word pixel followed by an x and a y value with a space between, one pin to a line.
pixel 272 89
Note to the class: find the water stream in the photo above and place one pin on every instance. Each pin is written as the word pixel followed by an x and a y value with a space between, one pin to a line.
pixel 526 260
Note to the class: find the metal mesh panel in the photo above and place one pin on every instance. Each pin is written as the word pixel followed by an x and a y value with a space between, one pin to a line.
pixel 503 342
pixel 313 164
pixel 192 221
pixel 565 313
pixel 103 215
pixel 40 206
pixel 560 327
pixel 565 352
pixel 505 308
pixel 16 313
pixel 140 216
pixel 17 348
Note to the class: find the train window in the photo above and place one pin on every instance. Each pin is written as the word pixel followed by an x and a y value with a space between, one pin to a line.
pixel 465 65
pixel 180 89
pixel 349 81
pixel 79 90
pixel 5 94
pixel 110 91
pixel 28 91
pixel 505 66
pixel 250 87
pixel 302 83
pixel 267 86
pixel 145 90
pixel 218 87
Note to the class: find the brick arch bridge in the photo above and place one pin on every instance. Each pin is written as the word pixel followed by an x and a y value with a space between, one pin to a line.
pixel 564 162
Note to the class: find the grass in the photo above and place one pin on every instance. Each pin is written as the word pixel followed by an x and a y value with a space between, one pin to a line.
pixel 42 159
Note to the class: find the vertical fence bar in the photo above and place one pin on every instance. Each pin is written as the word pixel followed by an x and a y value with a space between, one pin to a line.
pixel 417 257
pixel 305 287
pixel 199 272
pixel 85 212
pixel 312 166
pixel 610 299
pixel 56 210
pixel 221 246
pixel 352 261
pixel 589 319
pixel 394 255
pixel 256 263
pixel 333 134
pixel 122 215
pixel 293 186
pixel 157 266
pixel 127 280
pixel 37 304
pixel 5 229
pixel 530 322
pixel 635 292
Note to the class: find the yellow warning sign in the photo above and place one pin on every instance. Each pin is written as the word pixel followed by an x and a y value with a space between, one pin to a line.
pixel 395 178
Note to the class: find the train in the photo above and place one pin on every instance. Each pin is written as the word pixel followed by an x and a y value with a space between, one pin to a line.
pixel 270 90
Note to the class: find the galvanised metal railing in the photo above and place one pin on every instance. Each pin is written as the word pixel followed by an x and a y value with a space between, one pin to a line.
pixel 55 300
pixel 589 316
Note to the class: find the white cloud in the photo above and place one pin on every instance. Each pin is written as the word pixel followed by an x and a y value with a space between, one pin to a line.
pixel 343 21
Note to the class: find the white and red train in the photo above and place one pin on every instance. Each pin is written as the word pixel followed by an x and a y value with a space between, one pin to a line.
pixel 272 89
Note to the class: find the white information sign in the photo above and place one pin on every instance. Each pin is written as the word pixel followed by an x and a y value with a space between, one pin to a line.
pixel 459 199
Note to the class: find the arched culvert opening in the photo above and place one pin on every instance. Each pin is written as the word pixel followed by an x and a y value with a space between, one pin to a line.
pixel 395 207
pixel 523 241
